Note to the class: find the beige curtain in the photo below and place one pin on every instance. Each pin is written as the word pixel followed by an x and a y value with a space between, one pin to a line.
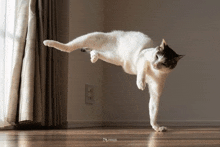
pixel 37 93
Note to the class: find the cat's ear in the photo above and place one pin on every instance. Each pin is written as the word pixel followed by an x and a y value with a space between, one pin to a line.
pixel 163 44
pixel 179 57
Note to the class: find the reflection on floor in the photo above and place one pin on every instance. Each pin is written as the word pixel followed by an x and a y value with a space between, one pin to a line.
pixel 104 137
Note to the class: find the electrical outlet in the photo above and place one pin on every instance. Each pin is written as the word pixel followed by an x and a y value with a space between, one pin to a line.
pixel 89 94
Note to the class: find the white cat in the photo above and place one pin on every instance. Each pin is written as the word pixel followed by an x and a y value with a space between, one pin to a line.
pixel 133 51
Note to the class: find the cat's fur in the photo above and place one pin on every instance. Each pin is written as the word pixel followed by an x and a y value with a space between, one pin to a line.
pixel 133 51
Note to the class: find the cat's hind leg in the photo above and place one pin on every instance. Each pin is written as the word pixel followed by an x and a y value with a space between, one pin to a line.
pixel 94 55
pixel 91 40
pixel 57 45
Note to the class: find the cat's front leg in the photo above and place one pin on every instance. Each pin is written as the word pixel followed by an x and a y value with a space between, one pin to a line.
pixel 155 90
pixel 141 84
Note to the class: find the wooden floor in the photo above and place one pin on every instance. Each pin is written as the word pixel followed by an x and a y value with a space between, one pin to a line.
pixel 105 137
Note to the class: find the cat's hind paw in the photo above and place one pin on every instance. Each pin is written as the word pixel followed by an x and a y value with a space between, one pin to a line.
pixel 94 56
pixel 48 43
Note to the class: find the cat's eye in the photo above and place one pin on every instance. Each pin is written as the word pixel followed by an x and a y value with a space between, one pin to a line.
pixel 157 57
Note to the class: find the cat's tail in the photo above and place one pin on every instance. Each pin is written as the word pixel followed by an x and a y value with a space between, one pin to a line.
pixel 60 46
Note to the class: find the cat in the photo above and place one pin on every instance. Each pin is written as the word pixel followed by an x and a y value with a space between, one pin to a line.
pixel 134 52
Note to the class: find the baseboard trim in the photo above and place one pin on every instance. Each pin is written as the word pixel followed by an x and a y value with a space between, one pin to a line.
pixel 83 124
pixel 126 124
pixel 191 123
pixel 172 123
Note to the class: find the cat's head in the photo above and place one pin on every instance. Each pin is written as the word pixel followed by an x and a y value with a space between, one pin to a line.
pixel 165 58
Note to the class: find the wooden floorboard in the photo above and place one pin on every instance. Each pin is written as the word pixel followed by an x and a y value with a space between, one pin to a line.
pixel 105 137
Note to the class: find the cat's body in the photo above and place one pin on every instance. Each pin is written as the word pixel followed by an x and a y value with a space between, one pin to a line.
pixel 133 51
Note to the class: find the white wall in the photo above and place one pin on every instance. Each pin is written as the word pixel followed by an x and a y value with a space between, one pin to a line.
pixel 192 89
pixel 84 17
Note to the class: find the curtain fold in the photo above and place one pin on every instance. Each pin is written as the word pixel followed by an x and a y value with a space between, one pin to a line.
pixel 19 44
pixel 28 68
pixel 35 96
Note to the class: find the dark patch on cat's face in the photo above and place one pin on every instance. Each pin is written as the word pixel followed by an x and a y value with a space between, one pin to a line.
pixel 168 57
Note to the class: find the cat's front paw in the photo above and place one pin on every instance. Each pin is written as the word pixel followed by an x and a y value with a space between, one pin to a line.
pixel 141 85
pixel 160 129
pixel 47 43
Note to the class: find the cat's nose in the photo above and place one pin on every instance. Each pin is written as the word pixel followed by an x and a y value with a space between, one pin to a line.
pixel 155 66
